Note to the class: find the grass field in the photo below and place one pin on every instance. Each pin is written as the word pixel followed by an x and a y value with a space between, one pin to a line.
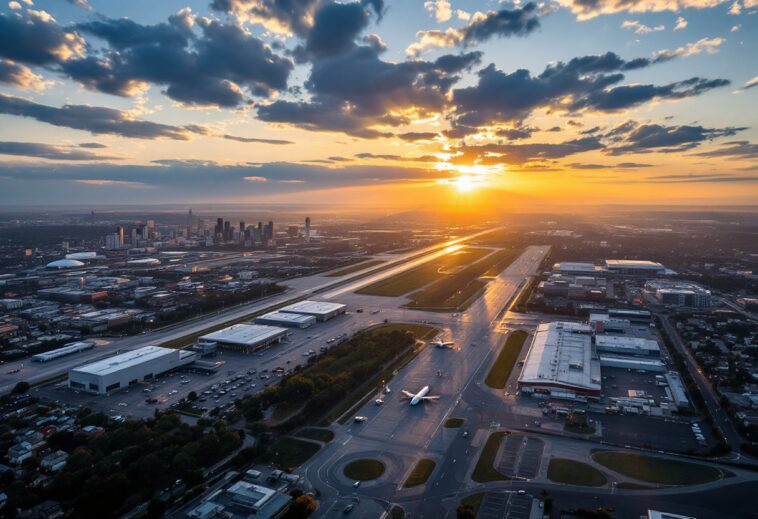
pixel 364 469
pixel 452 423
pixel 506 359
pixel 287 452
pixel 312 433
pixel 457 290
pixel 485 470
pixel 575 473
pixel 420 473
pixel 417 277
pixel 472 502
pixel 661 471
pixel 355 268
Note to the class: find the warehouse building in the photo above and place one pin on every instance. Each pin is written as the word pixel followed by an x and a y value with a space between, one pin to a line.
pixel 676 389
pixel 127 369
pixel 561 362
pixel 634 267
pixel 625 345
pixel 322 311
pixel 633 363
pixel 246 338
pixel 68 349
pixel 288 320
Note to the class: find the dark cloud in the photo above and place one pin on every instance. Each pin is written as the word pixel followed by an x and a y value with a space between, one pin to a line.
pixel 734 150
pixel 521 153
pixel 417 136
pixel 18 75
pixel 622 165
pixel 519 21
pixel 588 82
pixel 34 38
pixel 94 119
pixel 355 92
pixel 256 139
pixel 49 151
pixel 647 138
pixel 335 28
pixel 92 145
pixel 398 158
pixel 517 133
pixel 290 15
pixel 213 67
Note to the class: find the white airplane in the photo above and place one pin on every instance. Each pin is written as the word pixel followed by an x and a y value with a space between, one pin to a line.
pixel 442 344
pixel 419 397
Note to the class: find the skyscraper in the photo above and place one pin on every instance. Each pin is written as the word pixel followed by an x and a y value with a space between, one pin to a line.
pixel 307 228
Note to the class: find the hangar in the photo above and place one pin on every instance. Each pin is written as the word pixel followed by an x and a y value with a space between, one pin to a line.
pixel 321 310
pixel 246 338
pixel 127 369
pixel 288 320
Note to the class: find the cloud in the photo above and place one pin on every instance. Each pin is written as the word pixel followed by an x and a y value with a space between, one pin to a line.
pixel 256 179
pixel 584 83
pixel 496 154
pixel 93 119
pixel 519 21
pixel 335 27
pixel 279 16
pixel 379 93
pixel 441 9
pixel 116 183
pixel 640 28
pixel 213 68
pixel 737 150
pixel 707 45
pixel 20 76
pixel 92 145
pixel 621 165
pixel 735 9
pixel 256 139
pixel 647 138
pixel 81 3
pixel 587 9
pixel 735 28
pixel 49 151
pixel 398 158
pixel 187 163
pixel 751 83
pixel 417 136
pixel 681 23
pixel 35 38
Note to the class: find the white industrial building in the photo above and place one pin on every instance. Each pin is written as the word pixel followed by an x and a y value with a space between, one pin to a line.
pixel 634 363
pixel 246 338
pixel 68 349
pixel 676 390
pixel 561 362
pixel 321 310
pixel 127 369
pixel 634 267
pixel 288 320
pixel 577 268
pixel 626 345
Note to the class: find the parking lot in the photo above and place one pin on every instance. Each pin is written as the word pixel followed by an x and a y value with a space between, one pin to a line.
pixel 520 456
pixel 505 505
pixel 652 433
pixel 618 381
pixel 237 374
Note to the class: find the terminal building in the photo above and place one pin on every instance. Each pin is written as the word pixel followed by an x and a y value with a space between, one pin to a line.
pixel 127 369
pixel 68 349
pixel 321 310
pixel 289 320
pixel 246 338
pixel 561 362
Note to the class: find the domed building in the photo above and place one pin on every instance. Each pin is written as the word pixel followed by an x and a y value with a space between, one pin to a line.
pixel 64 264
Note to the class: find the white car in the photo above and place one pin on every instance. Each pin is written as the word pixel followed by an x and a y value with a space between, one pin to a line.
pixel 378 401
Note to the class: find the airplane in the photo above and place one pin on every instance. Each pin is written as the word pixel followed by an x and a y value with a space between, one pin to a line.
pixel 442 344
pixel 419 397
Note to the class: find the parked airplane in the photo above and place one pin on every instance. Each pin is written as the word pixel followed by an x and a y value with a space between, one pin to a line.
pixel 442 344
pixel 419 397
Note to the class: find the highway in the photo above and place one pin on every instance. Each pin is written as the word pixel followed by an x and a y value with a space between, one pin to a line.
pixel 299 288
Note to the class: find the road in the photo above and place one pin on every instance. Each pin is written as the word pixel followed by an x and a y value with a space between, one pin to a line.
pixel 32 372
pixel 723 422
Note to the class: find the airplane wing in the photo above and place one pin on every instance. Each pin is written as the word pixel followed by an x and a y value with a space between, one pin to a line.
pixel 407 393
pixel 431 398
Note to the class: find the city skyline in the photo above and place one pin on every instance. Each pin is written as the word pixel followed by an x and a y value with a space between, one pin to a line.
pixel 474 104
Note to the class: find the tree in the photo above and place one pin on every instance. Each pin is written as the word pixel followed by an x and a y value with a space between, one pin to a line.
pixel 465 512
pixel 20 388
pixel 192 396
pixel 155 509
pixel 301 507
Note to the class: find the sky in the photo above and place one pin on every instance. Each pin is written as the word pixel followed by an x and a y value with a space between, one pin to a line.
pixel 379 102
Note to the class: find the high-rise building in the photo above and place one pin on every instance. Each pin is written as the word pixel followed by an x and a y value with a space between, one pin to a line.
pixel 307 228
pixel 92 217
pixel 189 223
pixel 120 232
pixel 227 231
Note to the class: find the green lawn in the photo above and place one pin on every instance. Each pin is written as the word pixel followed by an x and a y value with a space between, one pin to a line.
pixel 575 473
pixel 485 470
pixel 424 274
pixel 661 471
pixel 287 452
pixel 471 503
pixel 506 359
pixel 355 268
pixel 312 433
pixel 452 423
pixel 364 469
pixel 420 473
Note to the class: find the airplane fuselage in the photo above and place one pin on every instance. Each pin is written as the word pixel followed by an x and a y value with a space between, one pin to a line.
pixel 418 397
